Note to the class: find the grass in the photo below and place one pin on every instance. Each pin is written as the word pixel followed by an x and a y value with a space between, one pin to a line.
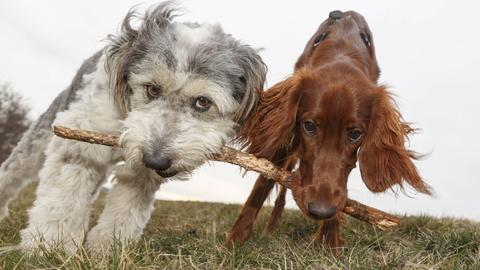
pixel 190 235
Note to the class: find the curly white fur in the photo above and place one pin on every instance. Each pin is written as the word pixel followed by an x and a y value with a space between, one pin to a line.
pixel 110 94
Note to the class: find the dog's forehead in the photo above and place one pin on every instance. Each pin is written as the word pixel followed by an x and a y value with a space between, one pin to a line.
pixel 205 50
pixel 189 35
pixel 327 102
pixel 334 100
pixel 191 50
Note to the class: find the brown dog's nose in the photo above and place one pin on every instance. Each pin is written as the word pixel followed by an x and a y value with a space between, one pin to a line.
pixel 321 210
pixel 335 15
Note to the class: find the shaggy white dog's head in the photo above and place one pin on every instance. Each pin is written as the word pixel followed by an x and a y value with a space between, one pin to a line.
pixel 184 89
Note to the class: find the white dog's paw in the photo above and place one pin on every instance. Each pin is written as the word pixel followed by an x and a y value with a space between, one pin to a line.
pixel 30 242
pixel 36 243
pixel 99 240
pixel 103 238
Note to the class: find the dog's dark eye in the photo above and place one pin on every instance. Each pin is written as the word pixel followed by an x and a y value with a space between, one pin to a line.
pixel 202 104
pixel 354 135
pixel 319 39
pixel 366 39
pixel 309 127
pixel 153 91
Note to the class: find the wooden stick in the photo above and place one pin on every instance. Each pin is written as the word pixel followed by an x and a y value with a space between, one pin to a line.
pixel 230 155
pixel 373 216
pixel 357 210
pixel 87 136
pixel 252 163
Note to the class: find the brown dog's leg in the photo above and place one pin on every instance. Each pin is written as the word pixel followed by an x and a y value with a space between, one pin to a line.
pixel 329 233
pixel 243 226
pixel 280 201
pixel 277 210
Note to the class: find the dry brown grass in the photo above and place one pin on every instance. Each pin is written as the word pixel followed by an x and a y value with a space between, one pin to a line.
pixel 190 235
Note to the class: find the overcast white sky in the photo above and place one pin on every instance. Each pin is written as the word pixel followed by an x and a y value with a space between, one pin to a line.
pixel 428 52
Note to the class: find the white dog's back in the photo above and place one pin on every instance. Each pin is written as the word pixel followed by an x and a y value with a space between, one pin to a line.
pixel 26 159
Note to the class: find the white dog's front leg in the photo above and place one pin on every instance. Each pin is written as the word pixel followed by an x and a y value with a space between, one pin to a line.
pixel 127 211
pixel 71 174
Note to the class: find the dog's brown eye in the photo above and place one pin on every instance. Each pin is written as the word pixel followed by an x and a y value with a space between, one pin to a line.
pixel 309 127
pixel 153 91
pixel 366 39
pixel 202 104
pixel 319 39
pixel 354 135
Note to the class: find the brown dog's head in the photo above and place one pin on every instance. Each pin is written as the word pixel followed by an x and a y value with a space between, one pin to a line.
pixel 330 113
pixel 343 36
pixel 341 116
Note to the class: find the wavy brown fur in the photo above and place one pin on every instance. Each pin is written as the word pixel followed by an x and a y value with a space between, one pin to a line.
pixel 334 86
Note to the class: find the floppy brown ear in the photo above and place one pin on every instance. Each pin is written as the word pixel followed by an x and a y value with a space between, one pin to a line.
pixel 384 160
pixel 270 128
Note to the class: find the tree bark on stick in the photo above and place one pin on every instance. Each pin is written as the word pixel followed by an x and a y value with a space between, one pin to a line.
pixel 353 208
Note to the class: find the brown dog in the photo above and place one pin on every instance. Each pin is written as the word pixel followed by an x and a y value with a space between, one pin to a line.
pixel 325 116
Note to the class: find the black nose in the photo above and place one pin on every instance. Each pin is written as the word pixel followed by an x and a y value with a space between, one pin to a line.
pixel 157 161
pixel 321 210
pixel 336 15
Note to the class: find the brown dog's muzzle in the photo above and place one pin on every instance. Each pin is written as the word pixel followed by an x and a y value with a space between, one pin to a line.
pixel 318 199
pixel 321 210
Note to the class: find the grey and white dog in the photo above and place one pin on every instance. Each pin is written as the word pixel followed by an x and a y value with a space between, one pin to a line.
pixel 175 92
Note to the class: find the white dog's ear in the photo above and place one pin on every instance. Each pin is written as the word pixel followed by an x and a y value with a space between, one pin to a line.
pixel 129 47
pixel 255 72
